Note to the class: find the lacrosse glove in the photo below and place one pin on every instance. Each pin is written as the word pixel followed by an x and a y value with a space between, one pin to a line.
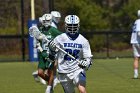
pixel 50 61
pixel 52 45
pixel 39 48
pixel 50 58
pixel 85 64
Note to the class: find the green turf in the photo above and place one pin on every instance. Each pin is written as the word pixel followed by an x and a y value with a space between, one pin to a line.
pixel 105 76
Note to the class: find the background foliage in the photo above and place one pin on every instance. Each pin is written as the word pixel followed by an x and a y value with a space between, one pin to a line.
pixel 95 16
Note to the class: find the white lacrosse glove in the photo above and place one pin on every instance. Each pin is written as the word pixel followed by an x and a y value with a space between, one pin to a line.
pixel 52 45
pixel 84 63
pixel 39 48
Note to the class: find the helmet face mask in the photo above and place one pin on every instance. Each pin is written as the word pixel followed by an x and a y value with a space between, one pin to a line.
pixel 46 23
pixel 72 26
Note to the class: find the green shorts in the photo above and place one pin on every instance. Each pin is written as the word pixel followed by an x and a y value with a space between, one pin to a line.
pixel 44 64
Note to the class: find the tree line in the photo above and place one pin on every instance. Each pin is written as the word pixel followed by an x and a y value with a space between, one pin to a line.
pixel 95 15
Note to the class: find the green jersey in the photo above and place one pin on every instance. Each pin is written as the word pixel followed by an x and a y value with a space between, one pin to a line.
pixel 50 33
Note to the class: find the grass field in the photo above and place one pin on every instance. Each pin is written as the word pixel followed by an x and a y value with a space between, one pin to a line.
pixel 105 76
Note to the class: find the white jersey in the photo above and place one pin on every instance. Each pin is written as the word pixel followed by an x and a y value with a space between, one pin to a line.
pixel 135 38
pixel 79 48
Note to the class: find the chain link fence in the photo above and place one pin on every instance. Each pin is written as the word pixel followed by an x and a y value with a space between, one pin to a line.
pixel 113 46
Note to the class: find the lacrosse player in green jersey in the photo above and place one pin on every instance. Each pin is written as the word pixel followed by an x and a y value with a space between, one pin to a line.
pixel 46 57
pixel 56 16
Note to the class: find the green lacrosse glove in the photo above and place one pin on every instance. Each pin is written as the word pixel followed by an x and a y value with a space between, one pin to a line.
pixel 50 61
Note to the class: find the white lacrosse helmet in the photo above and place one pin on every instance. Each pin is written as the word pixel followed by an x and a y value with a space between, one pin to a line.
pixel 72 25
pixel 138 13
pixel 46 20
pixel 56 16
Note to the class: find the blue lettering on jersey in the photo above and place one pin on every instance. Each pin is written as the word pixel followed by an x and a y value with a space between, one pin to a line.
pixel 74 53
pixel 74 45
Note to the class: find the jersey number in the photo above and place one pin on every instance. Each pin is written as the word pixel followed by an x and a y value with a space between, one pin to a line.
pixel 74 53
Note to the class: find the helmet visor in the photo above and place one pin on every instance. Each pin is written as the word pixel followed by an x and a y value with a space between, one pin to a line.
pixel 46 23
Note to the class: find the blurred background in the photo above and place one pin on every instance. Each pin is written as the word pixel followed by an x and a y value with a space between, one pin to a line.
pixel 105 23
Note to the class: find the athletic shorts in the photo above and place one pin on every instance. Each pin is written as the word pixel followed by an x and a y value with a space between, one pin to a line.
pixel 136 50
pixel 44 64
pixel 69 81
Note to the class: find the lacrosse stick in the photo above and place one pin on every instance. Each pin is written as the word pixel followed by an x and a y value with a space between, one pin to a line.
pixel 34 32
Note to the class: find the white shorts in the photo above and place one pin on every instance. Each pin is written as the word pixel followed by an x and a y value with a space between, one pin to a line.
pixel 69 81
pixel 136 50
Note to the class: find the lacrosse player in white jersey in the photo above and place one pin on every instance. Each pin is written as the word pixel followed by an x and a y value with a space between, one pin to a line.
pixel 56 16
pixel 71 72
pixel 135 41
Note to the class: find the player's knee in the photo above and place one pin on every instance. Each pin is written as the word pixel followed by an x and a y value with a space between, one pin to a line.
pixel 40 73
pixel 82 89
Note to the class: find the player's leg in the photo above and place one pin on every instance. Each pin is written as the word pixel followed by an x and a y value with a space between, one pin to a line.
pixel 50 67
pixel 136 60
pixel 80 82
pixel 35 75
pixel 41 68
pixel 49 88
pixel 136 52
pixel 55 81
pixel 66 83
pixel 42 75
pixel 38 78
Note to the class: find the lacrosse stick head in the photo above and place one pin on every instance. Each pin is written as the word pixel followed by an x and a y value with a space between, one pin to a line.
pixel 34 32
